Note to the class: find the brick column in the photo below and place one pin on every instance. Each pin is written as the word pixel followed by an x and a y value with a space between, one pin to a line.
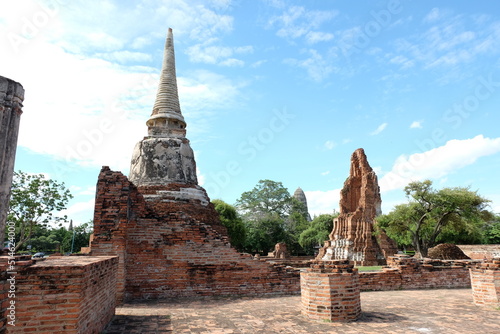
pixel 485 281
pixel 330 291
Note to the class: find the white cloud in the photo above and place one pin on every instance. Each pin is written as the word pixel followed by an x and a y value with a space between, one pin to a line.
pixel 316 66
pixel 210 54
pixel 320 202
pixel 232 62
pixel 416 125
pixel 123 57
pixel 80 212
pixel 313 37
pixel 380 128
pixel 449 41
pixel 325 173
pixel 90 108
pixel 297 22
pixel 329 144
pixel 438 162
pixel 434 15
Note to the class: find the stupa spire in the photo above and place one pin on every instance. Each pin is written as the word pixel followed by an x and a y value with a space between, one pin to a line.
pixel 164 157
pixel 166 118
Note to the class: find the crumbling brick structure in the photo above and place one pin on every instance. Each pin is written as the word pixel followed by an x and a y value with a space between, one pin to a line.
pixel 174 249
pixel 404 273
pixel 485 280
pixel 330 291
pixel 59 295
pixel 353 236
pixel 161 224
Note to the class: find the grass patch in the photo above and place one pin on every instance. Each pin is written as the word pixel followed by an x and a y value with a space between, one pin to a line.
pixel 370 268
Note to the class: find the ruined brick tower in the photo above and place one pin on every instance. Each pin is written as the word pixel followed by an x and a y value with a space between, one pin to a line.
pixel 161 224
pixel 353 236
pixel 301 197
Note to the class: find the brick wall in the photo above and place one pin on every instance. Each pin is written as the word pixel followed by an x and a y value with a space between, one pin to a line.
pixel 485 279
pixel 480 252
pixel 330 291
pixel 4 301
pixel 64 295
pixel 410 273
pixel 175 248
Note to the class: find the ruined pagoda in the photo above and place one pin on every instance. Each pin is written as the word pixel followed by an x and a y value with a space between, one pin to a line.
pixel 164 159
pixel 301 197
pixel 354 236
pixel 160 222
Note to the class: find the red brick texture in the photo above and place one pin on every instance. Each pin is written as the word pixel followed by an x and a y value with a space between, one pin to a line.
pixel 64 295
pixel 485 280
pixel 330 291
pixel 170 248
pixel 480 252
pixel 404 273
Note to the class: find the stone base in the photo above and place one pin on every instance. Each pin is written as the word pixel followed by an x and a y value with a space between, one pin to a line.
pixel 330 291
pixel 485 282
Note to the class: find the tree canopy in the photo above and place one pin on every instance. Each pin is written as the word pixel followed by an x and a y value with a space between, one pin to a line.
pixel 267 197
pixel 272 215
pixel 430 215
pixel 318 231
pixel 35 200
pixel 232 221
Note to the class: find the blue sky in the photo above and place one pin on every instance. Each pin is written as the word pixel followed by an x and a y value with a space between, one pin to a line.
pixel 270 89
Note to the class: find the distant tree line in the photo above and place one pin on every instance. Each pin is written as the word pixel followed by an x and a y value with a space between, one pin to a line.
pixel 268 214
pixel 35 210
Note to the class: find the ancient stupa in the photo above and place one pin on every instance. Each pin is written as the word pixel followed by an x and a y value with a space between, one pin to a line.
pixel 353 236
pixel 161 224
pixel 301 197
pixel 164 158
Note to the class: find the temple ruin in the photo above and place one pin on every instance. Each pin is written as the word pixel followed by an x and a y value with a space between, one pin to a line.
pixel 161 224
pixel 11 103
pixel 353 236
pixel 301 197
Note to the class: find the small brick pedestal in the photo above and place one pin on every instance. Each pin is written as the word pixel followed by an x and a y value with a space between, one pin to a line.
pixel 330 291
pixel 485 281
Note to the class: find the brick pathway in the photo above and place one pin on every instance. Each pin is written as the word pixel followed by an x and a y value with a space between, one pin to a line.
pixel 415 311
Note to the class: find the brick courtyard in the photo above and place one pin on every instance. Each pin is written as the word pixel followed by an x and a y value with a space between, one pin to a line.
pixel 411 311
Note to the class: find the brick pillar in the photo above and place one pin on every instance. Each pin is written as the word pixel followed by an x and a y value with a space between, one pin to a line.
pixel 485 282
pixel 330 291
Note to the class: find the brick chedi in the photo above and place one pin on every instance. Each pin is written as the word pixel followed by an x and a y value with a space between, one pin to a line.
pixel 353 237
pixel 163 162
pixel 161 224
pixel 11 103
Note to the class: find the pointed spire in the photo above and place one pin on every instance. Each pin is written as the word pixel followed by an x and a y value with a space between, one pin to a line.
pixel 166 119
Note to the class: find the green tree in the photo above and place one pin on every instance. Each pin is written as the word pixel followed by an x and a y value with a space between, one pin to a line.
pixel 267 211
pixel 34 201
pixel 232 221
pixel 430 212
pixel 492 230
pixel 77 238
pixel 267 197
pixel 264 233
pixel 316 234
